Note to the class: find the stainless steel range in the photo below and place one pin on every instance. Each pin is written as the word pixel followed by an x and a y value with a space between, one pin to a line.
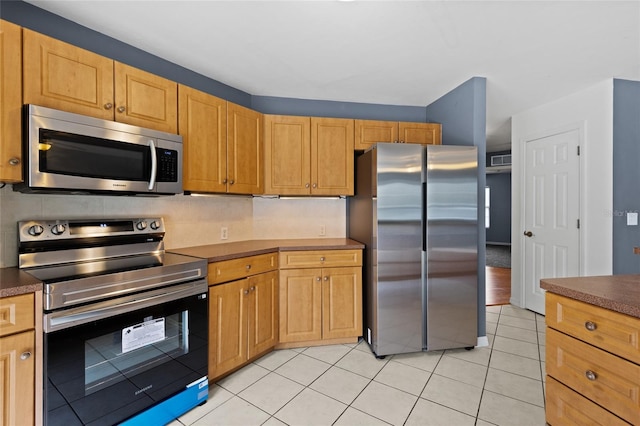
pixel 125 323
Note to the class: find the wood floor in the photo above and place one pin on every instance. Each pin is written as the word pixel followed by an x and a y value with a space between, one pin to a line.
pixel 498 286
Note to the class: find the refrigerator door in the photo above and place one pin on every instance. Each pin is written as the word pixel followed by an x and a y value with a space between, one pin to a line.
pixel 398 207
pixel 451 243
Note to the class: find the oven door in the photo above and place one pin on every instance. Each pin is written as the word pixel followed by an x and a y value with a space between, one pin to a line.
pixel 106 362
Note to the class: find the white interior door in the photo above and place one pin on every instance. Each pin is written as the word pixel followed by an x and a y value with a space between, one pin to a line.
pixel 551 212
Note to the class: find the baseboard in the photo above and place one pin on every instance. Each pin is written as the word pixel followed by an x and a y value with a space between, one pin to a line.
pixel 483 341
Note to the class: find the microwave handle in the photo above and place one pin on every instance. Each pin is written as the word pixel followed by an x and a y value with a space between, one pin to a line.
pixel 154 165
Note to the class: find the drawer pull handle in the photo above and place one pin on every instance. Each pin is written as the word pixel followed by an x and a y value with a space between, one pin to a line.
pixel 25 355
pixel 248 267
pixel 322 259
pixel 590 325
pixel 590 375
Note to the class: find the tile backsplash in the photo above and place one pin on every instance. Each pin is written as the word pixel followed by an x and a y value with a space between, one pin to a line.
pixel 189 220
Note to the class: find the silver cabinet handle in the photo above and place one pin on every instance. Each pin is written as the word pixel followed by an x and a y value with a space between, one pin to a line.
pixel 14 161
pixel 326 278
pixel 590 325
pixel 248 267
pixel 322 259
pixel 245 292
pixel 315 186
pixel 590 375
pixel 318 278
pixel 25 355
pixel 108 105
pixel 121 109
pixel 252 288
pixel 306 185
pixel 231 182
pixel 224 181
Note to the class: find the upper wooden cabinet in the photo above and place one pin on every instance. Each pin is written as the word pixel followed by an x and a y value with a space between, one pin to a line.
pixel 62 76
pixel 308 155
pixel 369 132
pixel 222 144
pixel 10 102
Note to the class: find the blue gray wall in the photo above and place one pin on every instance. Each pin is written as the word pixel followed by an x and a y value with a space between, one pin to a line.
pixel 626 174
pixel 463 115
pixel 499 230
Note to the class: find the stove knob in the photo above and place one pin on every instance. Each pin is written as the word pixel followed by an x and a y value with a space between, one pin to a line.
pixel 141 225
pixel 155 225
pixel 58 229
pixel 35 230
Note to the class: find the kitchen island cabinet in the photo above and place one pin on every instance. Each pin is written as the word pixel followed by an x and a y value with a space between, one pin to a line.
pixel 593 350
pixel 62 76
pixel 243 311
pixel 10 102
pixel 222 144
pixel 308 156
pixel 368 132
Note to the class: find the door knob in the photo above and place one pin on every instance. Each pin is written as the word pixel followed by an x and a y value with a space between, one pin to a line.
pixel 528 234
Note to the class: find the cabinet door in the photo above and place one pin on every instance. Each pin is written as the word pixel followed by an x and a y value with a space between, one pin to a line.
pixel 227 327
pixel 203 126
pixel 144 99
pixel 422 133
pixel 341 302
pixel 300 305
pixel 10 102
pixel 245 154
pixel 331 156
pixel 263 313
pixel 368 132
pixel 287 155
pixel 61 76
pixel 17 364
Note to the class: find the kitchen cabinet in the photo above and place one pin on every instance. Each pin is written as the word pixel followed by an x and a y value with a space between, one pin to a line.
pixel 308 155
pixel 65 77
pixel 368 132
pixel 592 364
pixel 223 149
pixel 10 102
pixel 320 297
pixel 17 360
pixel 243 311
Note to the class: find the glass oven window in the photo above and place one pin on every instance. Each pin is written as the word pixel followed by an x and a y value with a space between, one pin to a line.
pixel 119 355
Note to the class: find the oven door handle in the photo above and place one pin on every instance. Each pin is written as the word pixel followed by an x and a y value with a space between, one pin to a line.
pixel 67 318
pixel 154 165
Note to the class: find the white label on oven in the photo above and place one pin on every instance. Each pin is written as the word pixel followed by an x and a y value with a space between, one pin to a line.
pixel 142 334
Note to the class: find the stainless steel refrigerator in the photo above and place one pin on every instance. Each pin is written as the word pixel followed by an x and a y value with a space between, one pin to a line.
pixel 416 211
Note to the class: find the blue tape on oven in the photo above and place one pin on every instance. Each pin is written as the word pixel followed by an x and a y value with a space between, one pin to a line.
pixel 170 409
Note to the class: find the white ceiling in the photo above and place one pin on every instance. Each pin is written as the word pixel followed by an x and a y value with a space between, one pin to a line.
pixel 384 52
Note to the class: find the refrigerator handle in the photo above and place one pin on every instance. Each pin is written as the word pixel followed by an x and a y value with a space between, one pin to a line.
pixel 424 216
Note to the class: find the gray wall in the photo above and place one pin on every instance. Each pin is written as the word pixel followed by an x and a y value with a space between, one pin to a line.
pixel 499 230
pixel 626 174
pixel 463 115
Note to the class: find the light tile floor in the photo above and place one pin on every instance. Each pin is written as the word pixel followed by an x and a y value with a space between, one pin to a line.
pixel 502 384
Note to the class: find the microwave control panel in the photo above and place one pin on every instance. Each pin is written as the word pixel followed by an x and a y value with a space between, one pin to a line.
pixel 167 165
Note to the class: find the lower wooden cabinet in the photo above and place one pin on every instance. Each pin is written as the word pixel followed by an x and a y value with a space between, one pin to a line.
pixel 320 305
pixel 17 360
pixel 243 321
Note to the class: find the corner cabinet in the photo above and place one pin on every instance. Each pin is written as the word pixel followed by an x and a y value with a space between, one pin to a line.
pixel 222 144
pixel 62 76
pixel 592 364
pixel 17 360
pixel 10 102
pixel 368 132
pixel 308 155
pixel 243 311
pixel 320 297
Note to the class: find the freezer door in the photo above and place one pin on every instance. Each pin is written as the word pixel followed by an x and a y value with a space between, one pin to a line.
pixel 451 244
pixel 399 249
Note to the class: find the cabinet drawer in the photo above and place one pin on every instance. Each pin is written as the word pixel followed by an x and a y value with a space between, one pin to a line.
pixel 608 330
pixel 16 314
pixel 566 407
pixel 320 258
pixel 614 382
pixel 229 270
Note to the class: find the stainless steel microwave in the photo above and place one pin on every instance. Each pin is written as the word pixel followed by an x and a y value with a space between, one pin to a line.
pixel 72 153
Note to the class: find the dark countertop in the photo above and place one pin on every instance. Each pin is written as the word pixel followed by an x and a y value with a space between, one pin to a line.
pixel 13 282
pixel 619 293
pixel 234 250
